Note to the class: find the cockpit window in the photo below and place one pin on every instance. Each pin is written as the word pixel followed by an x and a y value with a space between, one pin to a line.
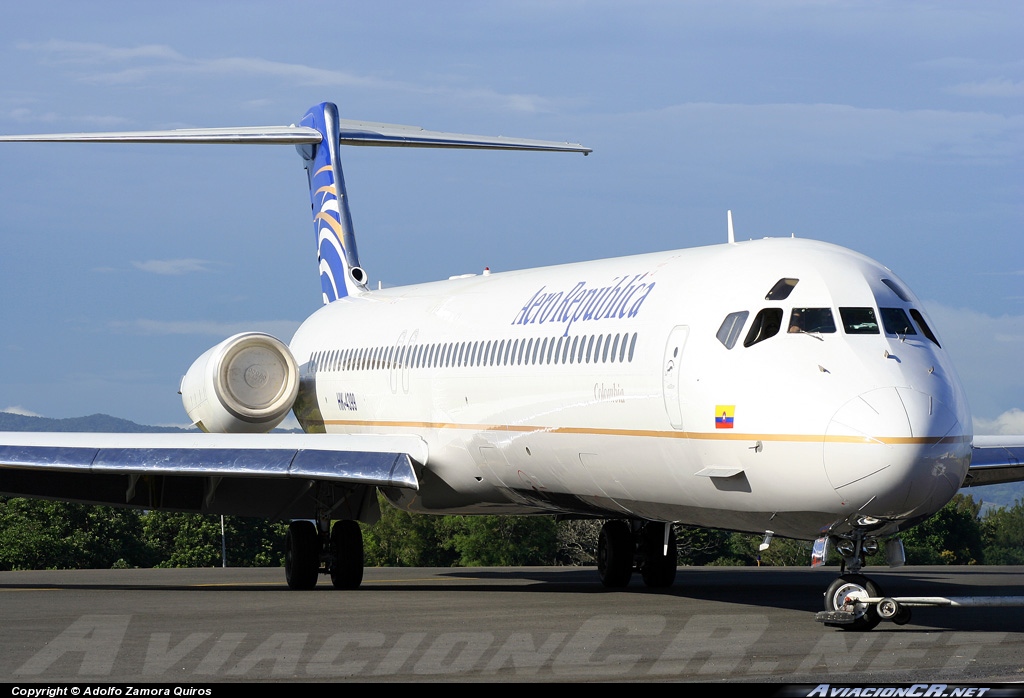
pixel 897 289
pixel 919 318
pixel 767 324
pixel 859 320
pixel 731 327
pixel 781 290
pixel 895 321
pixel 811 320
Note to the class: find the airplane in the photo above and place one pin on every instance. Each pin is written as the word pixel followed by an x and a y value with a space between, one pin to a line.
pixel 784 387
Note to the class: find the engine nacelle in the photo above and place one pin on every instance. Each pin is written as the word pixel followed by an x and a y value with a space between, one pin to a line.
pixel 245 384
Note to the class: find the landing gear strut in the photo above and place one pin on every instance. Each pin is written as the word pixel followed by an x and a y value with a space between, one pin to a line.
pixel 310 552
pixel 844 606
pixel 647 547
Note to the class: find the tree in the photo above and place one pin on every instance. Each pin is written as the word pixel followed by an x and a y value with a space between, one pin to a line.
pixel 951 537
pixel 503 540
pixel 401 539
pixel 194 540
pixel 40 534
pixel 1003 534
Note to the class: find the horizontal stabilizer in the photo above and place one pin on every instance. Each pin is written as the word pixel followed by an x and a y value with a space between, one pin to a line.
pixel 351 133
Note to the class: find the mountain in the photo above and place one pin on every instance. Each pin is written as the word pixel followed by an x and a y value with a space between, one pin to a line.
pixel 10 421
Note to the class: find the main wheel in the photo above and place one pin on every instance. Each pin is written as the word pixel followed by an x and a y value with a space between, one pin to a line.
pixel 659 569
pixel 615 550
pixel 848 588
pixel 347 554
pixel 301 555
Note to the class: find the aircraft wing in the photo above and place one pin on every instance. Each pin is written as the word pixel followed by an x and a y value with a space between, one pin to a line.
pixel 268 475
pixel 996 460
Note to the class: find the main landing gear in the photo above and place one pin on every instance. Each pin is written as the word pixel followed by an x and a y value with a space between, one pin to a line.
pixel 312 550
pixel 635 546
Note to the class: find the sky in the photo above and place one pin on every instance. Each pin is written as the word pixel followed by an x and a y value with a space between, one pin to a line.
pixel 893 127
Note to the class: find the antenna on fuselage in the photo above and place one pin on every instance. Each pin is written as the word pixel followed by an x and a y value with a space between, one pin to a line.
pixel 732 234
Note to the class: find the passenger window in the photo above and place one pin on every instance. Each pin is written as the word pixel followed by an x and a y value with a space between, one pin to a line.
pixel 859 320
pixel 895 321
pixel 811 320
pixel 919 318
pixel 731 327
pixel 781 290
pixel 766 325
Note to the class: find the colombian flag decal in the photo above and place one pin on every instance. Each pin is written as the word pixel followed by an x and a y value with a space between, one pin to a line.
pixel 724 416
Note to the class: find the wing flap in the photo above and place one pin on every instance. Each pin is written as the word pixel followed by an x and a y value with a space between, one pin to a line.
pixel 996 460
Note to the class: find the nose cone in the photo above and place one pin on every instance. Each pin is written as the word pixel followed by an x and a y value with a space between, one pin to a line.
pixel 896 453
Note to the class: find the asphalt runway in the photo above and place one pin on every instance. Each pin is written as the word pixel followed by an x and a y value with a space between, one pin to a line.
pixel 496 624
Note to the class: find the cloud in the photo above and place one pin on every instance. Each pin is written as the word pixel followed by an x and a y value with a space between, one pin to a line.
pixel 282 329
pixel 987 351
pixel 18 409
pixel 1009 422
pixel 993 87
pixel 836 132
pixel 102 64
pixel 173 267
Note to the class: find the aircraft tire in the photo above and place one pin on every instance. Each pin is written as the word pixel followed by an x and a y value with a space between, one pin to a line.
pixel 853 585
pixel 347 552
pixel 302 555
pixel 615 548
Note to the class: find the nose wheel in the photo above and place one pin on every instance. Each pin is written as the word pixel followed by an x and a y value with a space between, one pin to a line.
pixel 843 600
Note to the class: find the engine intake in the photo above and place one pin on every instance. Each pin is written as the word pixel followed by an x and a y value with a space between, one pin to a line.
pixel 245 384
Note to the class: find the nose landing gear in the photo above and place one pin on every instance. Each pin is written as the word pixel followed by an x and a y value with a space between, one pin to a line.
pixel 851 601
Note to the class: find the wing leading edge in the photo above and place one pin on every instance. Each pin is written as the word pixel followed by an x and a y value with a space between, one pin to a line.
pixel 996 460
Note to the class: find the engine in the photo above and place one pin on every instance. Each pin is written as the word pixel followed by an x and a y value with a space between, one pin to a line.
pixel 245 384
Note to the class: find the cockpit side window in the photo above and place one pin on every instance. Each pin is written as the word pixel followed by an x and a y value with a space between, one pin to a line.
pixel 781 290
pixel 767 324
pixel 897 289
pixel 859 320
pixel 895 321
pixel 811 320
pixel 731 327
pixel 919 318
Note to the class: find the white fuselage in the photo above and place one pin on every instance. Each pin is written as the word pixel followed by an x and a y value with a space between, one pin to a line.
pixel 608 388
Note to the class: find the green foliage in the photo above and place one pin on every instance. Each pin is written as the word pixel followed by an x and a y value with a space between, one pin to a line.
pixel 401 539
pixel 40 534
pixel 194 540
pixel 701 546
pixel 503 540
pixel 1003 533
pixel 951 537
pixel 576 541
pixel 782 552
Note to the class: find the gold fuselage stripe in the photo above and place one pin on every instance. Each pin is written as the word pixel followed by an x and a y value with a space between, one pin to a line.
pixel 655 434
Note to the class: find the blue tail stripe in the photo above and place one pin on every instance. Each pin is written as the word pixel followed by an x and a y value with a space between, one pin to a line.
pixel 332 222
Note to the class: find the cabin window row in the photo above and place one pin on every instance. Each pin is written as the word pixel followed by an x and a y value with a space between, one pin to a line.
pixel 580 349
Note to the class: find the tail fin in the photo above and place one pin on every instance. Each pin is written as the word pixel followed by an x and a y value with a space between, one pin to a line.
pixel 340 273
pixel 317 140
